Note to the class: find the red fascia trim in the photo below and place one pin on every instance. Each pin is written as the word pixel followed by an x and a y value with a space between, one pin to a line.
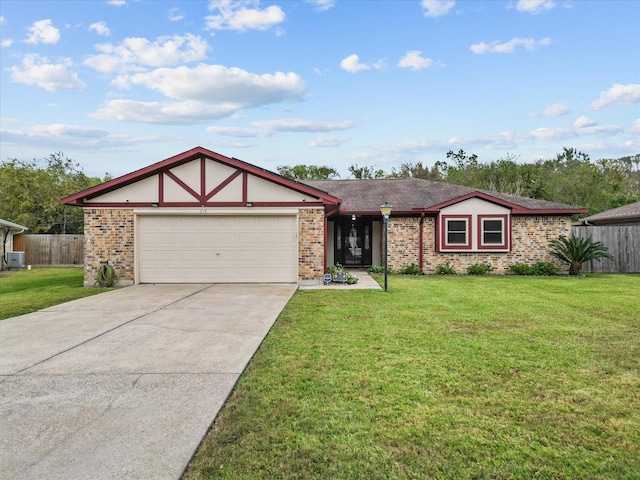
pixel 120 205
pixel 506 232
pixel 189 155
pixel 563 211
pixel 199 204
pixel 483 196
pixel 161 188
pixel 443 243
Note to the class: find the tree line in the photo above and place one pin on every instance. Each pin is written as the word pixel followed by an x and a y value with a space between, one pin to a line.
pixel 30 191
pixel 571 177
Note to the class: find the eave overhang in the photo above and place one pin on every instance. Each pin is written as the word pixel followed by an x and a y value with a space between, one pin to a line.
pixel 78 199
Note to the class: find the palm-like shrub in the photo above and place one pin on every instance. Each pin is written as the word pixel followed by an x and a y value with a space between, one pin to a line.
pixel 575 251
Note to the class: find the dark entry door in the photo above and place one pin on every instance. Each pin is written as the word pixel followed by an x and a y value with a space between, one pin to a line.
pixel 353 243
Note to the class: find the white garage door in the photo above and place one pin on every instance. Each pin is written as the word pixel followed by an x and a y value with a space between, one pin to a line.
pixel 217 249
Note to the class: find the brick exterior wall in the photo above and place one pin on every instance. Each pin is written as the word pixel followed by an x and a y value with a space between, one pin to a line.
pixel 108 235
pixel 530 239
pixel 310 245
pixel 404 238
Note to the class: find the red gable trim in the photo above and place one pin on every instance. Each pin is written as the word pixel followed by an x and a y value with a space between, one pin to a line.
pixel 185 157
pixel 515 209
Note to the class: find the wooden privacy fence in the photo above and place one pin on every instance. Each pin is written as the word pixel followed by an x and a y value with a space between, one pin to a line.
pixel 51 250
pixel 623 242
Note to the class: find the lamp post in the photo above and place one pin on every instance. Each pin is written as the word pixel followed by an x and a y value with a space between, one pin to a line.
pixel 385 209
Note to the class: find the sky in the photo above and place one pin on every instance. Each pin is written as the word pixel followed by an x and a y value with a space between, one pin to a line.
pixel 117 85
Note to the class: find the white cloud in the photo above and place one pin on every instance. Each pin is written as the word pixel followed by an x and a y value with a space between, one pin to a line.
pixel 7 42
pixel 501 140
pixel 352 64
pixel 265 128
pixel 100 28
pixel 134 53
pixel 38 71
pixel 219 84
pixel 300 125
pixel 328 141
pixel 2 20
pixel 117 3
pixel 43 31
pixel 555 110
pixel 510 46
pixel 235 15
pixel 437 8
pixel 322 5
pixel 205 92
pixel 414 59
pixel 618 94
pixel 55 133
pixel 635 128
pixel 584 121
pixel 535 6
pixel 164 113
pixel 175 14
pixel 237 132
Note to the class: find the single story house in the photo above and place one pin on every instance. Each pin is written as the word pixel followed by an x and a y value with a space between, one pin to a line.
pixel 625 215
pixel 201 217
pixel 7 231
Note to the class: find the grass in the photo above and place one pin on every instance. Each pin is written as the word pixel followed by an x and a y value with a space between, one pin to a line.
pixel 26 291
pixel 441 377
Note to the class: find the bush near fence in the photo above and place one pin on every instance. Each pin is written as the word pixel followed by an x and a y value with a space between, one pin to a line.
pixel 50 250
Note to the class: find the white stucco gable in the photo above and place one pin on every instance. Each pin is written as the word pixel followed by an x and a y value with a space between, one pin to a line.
pixel 202 181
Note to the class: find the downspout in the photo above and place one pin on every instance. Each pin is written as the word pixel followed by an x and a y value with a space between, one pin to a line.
pixel 421 253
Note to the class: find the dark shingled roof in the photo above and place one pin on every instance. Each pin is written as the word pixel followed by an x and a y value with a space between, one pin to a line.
pixel 626 213
pixel 409 194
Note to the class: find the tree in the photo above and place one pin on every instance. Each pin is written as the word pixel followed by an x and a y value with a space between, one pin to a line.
pixel 409 170
pixel 575 251
pixel 362 173
pixel 308 172
pixel 30 193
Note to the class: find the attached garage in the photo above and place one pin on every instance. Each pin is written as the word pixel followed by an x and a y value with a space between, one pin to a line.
pixel 217 248
pixel 201 217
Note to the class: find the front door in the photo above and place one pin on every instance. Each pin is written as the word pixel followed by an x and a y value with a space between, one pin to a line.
pixel 353 242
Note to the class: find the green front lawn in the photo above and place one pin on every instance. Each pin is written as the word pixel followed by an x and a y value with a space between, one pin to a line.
pixel 26 291
pixel 441 377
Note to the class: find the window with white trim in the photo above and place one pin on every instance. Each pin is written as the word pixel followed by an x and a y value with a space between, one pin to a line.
pixel 492 231
pixel 457 232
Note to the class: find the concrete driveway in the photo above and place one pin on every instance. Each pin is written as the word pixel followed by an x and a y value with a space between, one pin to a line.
pixel 125 384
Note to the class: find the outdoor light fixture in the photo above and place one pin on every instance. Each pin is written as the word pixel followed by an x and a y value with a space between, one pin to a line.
pixel 154 204
pixel 249 204
pixel 353 217
pixel 385 209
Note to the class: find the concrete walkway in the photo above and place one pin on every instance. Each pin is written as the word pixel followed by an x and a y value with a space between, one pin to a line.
pixel 365 281
pixel 125 384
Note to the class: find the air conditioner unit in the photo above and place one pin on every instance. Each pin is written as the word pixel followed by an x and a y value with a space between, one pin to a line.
pixel 16 260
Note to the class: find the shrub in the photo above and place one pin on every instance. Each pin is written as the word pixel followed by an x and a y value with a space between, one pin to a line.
pixel 479 269
pixel 337 268
pixel 445 269
pixel 520 268
pixel 538 268
pixel 412 269
pixel 545 268
pixel 575 251
pixel 375 269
